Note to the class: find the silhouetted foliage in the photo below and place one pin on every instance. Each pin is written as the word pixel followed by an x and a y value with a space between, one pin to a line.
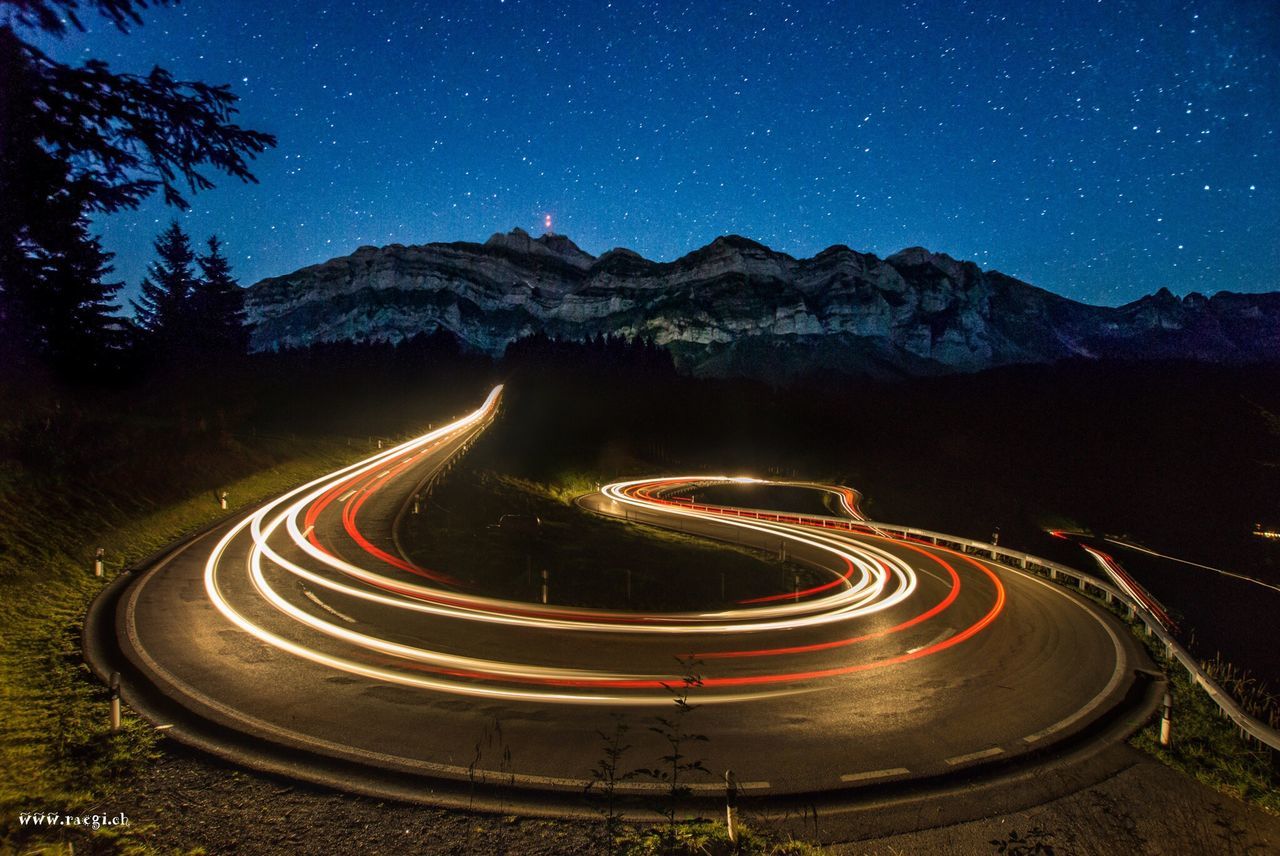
pixel 84 337
pixel 53 16
pixel 166 308
pixel 77 140
pixel 596 355
pixel 60 308
pixel 373 383
pixel 218 305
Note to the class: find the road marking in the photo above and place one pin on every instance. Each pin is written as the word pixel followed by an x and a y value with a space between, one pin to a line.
pixel 874 774
pixel 694 786
pixel 934 641
pixel 1117 674
pixel 308 530
pixel 383 474
pixel 348 494
pixel 974 756
pixel 164 727
pixel 320 603
pixel 937 577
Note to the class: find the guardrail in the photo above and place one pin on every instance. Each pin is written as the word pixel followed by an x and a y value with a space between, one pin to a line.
pixel 1086 583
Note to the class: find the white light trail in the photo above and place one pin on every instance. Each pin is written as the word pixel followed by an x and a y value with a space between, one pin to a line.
pixel 877 580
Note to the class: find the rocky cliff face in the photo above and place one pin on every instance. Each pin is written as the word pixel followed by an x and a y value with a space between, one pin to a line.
pixel 735 307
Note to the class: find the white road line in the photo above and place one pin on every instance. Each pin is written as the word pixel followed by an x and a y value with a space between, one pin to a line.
pixel 348 495
pixel 1117 675
pixel 874 774
pixel 308 530
pixel 973 756
pixel 320 603
pixel 937 577
pixel 934 641
pixel 693 786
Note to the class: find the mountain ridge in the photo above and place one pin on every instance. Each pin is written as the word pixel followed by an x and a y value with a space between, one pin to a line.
pixel 735 306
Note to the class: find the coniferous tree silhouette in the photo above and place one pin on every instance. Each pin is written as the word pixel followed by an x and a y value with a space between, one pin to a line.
pixel 79 140
pixel 218 306
pixel 55 301
pixel 85 338
pixel 166 309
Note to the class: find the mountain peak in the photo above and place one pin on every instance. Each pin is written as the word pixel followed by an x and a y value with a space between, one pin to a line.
pixel 738 242
pixel 921 257
pixel 550 244
pixel 734 248
pixel 562 245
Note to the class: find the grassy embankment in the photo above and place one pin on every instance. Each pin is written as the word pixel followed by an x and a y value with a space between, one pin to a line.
pixel 72 481
pixel 1206 745
pixel 591 560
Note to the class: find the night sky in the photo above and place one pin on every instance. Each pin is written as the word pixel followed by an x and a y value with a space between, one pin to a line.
pixel 1098 149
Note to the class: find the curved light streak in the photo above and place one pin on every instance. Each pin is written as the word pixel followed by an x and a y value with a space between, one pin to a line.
pixel 874 580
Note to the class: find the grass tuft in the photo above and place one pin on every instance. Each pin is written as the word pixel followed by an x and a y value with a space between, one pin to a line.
pixel 56 749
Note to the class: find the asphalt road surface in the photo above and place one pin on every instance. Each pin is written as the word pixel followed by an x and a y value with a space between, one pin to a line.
pixel 302 623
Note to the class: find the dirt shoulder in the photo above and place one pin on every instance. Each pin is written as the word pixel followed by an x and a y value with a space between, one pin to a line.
pixel 185 802
pixel 1147 808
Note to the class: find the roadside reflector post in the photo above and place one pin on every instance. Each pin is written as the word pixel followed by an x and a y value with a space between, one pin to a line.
pixel 1166 722
pixel 544 585
pixel 222 499
pixel 417 501
pixel 731 805
pixel 97 561
pixel 379 442
pixel 115 702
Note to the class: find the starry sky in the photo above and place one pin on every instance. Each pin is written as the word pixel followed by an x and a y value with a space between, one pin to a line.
pixel 1101 150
